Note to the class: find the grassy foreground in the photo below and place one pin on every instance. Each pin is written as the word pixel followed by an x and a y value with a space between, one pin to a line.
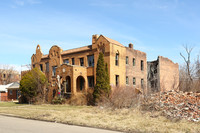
pixel 129 120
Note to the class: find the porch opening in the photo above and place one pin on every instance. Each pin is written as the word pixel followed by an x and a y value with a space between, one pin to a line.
pixel 80 83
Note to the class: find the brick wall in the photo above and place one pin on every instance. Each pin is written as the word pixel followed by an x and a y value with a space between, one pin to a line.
pixel 169 74
pixel 12 96
pixel 134 70
pixel 3 96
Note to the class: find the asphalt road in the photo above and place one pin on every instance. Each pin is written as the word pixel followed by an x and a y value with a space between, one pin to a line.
pixel 17 125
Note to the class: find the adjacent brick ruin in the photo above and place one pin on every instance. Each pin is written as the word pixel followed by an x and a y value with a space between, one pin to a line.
pixel 163 75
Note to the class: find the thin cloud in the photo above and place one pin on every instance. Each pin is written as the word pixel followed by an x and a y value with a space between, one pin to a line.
pixel 155 4
pixel 21 3
pixel 32 2
pixel 106 4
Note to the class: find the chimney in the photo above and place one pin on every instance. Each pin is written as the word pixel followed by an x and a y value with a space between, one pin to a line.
pixel 94 38
pixel 130 45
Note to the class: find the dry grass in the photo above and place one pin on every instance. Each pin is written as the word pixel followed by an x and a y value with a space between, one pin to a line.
pixel 129 120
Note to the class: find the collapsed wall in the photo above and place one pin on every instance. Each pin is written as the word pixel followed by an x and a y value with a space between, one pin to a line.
pixel 153 76
pixel 163 75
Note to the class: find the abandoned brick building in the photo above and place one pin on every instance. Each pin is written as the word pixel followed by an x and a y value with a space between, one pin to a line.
pixel 127 67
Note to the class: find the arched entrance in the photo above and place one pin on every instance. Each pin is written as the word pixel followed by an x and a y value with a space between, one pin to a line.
pixel 68 84
pixel 80 83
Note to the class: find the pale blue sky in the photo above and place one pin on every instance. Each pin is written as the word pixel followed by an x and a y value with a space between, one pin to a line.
pixel 157 27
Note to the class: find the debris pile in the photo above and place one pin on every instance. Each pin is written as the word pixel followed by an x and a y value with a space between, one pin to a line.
pixel 177 104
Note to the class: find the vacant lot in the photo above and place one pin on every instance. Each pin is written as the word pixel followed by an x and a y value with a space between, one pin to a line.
pixel 129 120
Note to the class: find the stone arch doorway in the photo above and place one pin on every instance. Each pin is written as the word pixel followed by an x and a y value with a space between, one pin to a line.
pixel 80 83
pixel 68 84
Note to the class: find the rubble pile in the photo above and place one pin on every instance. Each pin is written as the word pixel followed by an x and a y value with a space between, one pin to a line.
pixel 177 104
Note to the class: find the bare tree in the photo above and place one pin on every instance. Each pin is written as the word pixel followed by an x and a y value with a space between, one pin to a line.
pixel 8 74
pixel 188 67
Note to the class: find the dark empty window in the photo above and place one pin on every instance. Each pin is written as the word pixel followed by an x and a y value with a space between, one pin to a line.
pixel 134 81
pixel 4 75
pixel 33 66
pixel 117 80
pixel 41 67
pixel 142 65
pixel 142 82
pixel 54 70
pixel 127 80
pixel 133 61
pixel 126 60
pixel 10 76
pixel 81 62
pixel 47 67
pixel 117 59
pixel 73 62
pixel 91 81
pixel 90 60
pixel 66 61
pixel 10 92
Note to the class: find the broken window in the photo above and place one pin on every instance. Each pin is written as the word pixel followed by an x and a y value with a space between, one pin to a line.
pixel 133 61
pixel 90 60
pixel 73 62
pixel 117 59
pixel 152 84
pixel 142 82
pixel 54 70
pixel 126 60
pixel 91 81
pixel 127 80
pixel 41 67
pixel 81 62
pixel 142 65
pixel 134 81
pixel 117 80
pixel 66 61
pixel 10 92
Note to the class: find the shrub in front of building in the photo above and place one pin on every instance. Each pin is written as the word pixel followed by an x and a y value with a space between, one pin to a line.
pixel 102 87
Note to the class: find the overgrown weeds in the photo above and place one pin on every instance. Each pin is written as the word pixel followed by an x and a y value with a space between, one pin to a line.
pixel 121 97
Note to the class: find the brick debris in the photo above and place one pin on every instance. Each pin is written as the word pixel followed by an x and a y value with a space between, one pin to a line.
pixel 176 104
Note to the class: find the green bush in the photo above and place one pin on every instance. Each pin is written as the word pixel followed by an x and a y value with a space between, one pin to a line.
pixel 33 86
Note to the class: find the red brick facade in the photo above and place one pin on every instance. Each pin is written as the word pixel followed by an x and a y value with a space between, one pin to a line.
pixel 12 95
pixel 3 96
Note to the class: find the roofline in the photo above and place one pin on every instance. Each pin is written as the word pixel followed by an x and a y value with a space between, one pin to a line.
pixel 109 41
